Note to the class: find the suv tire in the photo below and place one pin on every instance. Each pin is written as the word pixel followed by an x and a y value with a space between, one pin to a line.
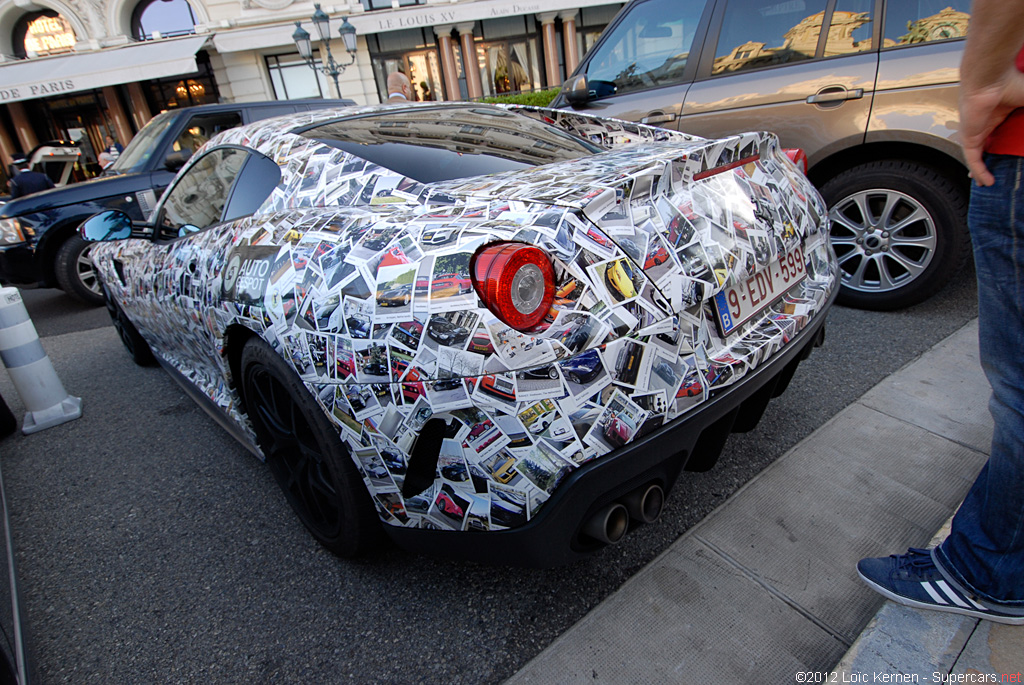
pixel 75 272
pixel 885 269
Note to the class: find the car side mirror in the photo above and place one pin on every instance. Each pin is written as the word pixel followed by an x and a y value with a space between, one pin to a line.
pixel 106 226
pixel 577 90
pixel 176 160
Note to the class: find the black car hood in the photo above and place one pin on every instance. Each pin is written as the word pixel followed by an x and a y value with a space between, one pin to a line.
pixel 76 193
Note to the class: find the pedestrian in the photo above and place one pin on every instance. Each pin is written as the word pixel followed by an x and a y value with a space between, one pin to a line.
pixel 26 181
pixel 113 148
pixel 399 87
pixel 978 570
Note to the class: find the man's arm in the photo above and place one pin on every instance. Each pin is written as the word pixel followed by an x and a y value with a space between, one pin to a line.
pixel 991 87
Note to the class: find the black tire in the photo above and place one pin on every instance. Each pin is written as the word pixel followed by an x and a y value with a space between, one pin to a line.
pixel 75 272
pixel 553 372
pixel 133 341
pixel 883 269
pixel 574 377
pixel 305 454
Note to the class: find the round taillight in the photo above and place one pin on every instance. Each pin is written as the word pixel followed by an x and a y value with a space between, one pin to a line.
pixel 516 281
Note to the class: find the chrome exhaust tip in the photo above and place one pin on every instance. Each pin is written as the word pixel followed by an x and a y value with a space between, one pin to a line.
pixel 609 524
pixel 645 504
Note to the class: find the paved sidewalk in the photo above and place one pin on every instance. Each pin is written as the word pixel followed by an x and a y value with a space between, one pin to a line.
pixel 765 589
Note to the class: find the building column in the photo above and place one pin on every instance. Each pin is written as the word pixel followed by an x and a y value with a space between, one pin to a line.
pixel 470 62
pixel 547 26
pixel 140 110
pixel 572 53
pixel 448 70
pixel 22 127
pixel 122 127
pixel 7 151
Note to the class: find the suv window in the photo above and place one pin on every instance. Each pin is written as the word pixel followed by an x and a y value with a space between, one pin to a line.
pixel 202 127
pixel 649 47
pixel 197 199
pixel 757 34
pixel 851 28
pixel 924 21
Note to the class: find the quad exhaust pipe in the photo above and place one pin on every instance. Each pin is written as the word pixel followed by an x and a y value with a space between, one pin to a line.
pixel 645 504
pixel 611 523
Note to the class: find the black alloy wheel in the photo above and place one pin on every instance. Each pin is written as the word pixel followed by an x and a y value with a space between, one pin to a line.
pixel 306 455
pixel 75 272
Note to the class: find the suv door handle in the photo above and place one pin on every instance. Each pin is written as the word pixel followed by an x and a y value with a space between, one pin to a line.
pixel 839 94
pixel 660 118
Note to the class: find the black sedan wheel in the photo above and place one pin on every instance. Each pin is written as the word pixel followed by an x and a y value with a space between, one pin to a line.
pixel 75 272
pixel 305 454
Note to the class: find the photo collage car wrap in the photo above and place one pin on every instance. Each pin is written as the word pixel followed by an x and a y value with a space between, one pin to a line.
pixel 373 305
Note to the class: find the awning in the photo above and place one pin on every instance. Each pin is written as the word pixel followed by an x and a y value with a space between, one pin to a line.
pixel 45 76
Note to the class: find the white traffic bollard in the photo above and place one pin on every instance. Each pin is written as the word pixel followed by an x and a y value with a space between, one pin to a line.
pixel 45 398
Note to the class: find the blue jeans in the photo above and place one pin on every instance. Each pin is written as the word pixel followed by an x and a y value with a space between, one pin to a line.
pixel 984 552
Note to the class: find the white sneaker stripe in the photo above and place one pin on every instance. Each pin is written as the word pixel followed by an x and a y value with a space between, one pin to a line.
pixel 951 593
pixel 938 599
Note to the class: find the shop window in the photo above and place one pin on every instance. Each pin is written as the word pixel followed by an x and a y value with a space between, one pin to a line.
pixel 185 90
pixel 370 5
pixel 413 53
pixel 292 78
pixel 162 18
pixel 42 33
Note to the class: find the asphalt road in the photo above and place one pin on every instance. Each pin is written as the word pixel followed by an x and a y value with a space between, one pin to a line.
pixel 152 548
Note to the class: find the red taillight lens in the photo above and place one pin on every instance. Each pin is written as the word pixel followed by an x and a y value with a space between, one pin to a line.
pixel 798 157
pixel 516 281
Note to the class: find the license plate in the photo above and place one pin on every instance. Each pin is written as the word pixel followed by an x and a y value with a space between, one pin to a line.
pixel 739 303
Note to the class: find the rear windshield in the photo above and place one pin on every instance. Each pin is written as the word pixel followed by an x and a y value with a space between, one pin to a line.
pixel 430 144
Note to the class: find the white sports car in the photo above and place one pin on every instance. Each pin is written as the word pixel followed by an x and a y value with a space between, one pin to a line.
pixel 257 284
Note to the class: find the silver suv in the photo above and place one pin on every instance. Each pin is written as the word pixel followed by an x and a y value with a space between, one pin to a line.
pixel 871 99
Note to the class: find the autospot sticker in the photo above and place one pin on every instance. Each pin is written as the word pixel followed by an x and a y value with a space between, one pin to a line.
pixel 248 272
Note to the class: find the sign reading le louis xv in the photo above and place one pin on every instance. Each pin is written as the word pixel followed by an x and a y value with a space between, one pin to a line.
pixel 432 18
pixel 35 90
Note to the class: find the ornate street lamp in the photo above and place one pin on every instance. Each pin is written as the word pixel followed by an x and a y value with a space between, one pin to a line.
pixel 323 27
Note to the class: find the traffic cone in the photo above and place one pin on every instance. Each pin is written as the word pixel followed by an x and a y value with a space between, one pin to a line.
pixel 31 371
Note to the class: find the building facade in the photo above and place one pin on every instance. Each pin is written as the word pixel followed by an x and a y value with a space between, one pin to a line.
pixel 84 69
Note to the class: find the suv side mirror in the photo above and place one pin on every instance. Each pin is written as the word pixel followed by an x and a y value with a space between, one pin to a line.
pixel 577 90
pixel 105 226
pixel 176 160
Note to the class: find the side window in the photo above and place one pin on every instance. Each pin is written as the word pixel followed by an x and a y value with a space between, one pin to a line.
pixel 648 48
pixel 923 21
pixel 761 33
pixel 202 127
pixel 851 28
pixel 197 199
pixel 258 179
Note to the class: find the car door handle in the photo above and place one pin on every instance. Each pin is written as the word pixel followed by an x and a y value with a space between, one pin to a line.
pixel 834 95
pixel 659 118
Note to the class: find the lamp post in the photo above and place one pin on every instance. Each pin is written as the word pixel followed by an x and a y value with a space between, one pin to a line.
pixel 323 27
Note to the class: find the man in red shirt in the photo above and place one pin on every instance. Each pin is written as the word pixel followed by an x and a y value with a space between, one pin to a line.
pixel 979 569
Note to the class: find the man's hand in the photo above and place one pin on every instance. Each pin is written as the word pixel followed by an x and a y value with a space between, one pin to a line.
pixel 981 111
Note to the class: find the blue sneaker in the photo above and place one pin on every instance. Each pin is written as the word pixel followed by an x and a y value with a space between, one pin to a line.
pixel 914 580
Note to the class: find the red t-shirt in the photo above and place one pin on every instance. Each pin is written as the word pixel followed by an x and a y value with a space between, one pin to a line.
pixel 1008 138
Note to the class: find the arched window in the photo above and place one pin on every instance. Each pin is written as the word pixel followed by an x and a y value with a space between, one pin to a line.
pixel 162 17
pixel 42 33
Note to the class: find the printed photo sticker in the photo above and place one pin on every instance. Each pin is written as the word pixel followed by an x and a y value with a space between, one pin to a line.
pixel 450 285
pixel 451 329
pixel 395 292
pixel 508 506
pixel 543 467
pixel 618 278
pixel 449 507
pixel 539 382
pixel 371 362
pixel 617 423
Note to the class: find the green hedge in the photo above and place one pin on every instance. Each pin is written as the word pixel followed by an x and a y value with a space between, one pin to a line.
pixel 540 98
